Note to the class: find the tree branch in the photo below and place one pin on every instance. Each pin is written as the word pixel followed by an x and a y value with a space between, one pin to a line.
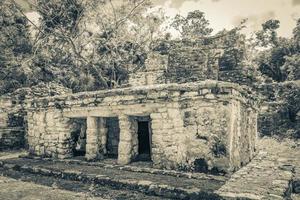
pixel 20 10
pixel 129 14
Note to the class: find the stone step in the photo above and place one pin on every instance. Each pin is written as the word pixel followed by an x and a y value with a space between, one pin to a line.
pixel 52 183
pixel 153 184
pixel 267 176
pixel 133 168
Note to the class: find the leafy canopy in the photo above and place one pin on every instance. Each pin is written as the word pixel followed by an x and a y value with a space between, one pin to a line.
pixel 15 46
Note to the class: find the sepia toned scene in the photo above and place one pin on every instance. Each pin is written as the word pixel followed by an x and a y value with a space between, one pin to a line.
pixel 149 99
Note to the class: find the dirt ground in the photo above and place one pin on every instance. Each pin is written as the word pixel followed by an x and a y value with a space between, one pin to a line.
pixel 11 189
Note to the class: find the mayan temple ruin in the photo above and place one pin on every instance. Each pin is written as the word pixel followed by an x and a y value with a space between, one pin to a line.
pixel 149 100
pixel 186 120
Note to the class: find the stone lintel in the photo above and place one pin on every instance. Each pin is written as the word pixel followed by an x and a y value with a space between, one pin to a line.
pixel 102 112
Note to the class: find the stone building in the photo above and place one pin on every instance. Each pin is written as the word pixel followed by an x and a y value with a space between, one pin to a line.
pixel 174 113
pixel 11 123
pixel 13 112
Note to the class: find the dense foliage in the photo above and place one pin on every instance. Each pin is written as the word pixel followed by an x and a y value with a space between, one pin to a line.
pixel 15 47
pixel 88 45
pixel 193 26
pixel 280 61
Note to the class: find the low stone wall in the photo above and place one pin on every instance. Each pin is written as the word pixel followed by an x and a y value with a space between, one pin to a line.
pixel 239 76
pixel 195 126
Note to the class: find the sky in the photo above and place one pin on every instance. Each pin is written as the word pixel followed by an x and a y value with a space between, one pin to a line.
pixel 229 13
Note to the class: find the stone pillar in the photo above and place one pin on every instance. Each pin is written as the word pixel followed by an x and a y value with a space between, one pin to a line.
pixel 95 130
pixel 128 140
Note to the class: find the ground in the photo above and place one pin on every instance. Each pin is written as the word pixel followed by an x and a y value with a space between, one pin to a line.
pixel 270 175
pixel 11 189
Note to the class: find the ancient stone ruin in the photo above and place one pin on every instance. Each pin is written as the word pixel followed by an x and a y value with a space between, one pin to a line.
pixel 176 118
pixel 13 114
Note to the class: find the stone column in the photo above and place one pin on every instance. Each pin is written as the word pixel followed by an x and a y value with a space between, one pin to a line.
pixel 92 139
pixel 128 140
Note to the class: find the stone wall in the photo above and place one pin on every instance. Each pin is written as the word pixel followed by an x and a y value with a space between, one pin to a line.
pixel 181 64
pixel 239 76
pixel 13 114
pixel 219 131
pixel 11 122
pixel 49 134
pixel 189 64
pixel 152 73
pixel 195 126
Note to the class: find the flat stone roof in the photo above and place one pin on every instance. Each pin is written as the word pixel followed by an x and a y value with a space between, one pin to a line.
pixel 215 87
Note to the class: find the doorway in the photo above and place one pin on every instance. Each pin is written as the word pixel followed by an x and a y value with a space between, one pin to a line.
pixel 78 138
pixel 113 137
pixel 144 141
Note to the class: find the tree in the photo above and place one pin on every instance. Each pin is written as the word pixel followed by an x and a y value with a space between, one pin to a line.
pixel 193 26
pixel 14 47
pixel 279 60
pixel 268 35
pixel 94 43
pixel 232 42
pixel 289 95
pixel 235 50
pixel 296 33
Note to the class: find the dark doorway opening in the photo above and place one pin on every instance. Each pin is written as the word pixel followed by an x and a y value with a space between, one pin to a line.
pixel 78 137
pixel 144 141
pixel 113 137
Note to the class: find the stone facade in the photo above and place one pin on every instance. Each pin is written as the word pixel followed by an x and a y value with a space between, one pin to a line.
pixel 12 128
pixel 183 63
pixel 180 65
pixel 153 73
pixel 13 114
pixel 189 64
pixel 202 126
